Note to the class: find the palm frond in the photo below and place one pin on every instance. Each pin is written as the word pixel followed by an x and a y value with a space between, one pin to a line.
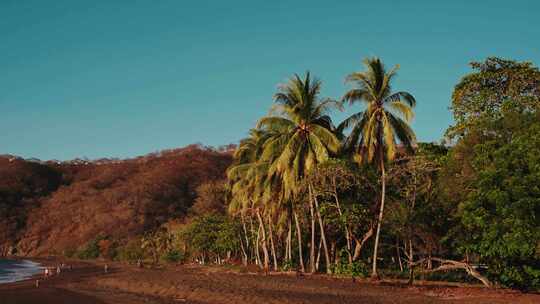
pixel 402 109
pixel 401 97
pixel 403 132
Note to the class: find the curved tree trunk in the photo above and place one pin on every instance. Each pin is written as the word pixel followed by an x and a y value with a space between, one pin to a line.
pixel 323 234
pixel 374 273
pixel 255 248
pixel 272 247
pixel 263 241
pixel 257 253
pixel 246 237
pixel 360 243
pixel 299 235
pixel 347 228
pixel 446 265
pixel 244 253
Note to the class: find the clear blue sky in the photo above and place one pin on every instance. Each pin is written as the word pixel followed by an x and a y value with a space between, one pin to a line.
pixel 125 78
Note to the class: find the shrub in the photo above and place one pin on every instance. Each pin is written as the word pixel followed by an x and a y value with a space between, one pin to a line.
pixel 173 256
pixel 132 251
pixel 91 250
pixel 212 235
pixel 70 252
pixel 355 269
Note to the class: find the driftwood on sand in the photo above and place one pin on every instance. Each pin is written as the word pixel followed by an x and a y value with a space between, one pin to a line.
pixel 446 265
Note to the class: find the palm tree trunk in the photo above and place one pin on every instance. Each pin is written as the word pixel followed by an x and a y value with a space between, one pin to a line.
pixel 318 259
pixel 272 247
pixel 263 241
pixel 257 253
pixel 255 247
pixel 374 274
pixel 299 235
pixel 411 263
pixel 411 253
pixel 312 245
pixel 245 231
pixel 244 254
pixel 347 228
pixel 399 255
pixel 288 256
pixel 323 235
pixel 333 252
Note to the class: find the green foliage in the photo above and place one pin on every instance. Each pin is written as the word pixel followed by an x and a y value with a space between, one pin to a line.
pixel 157 243
pixel 416 210
pixel 70 252
pixel 354 269
pixel 346 193
pixel 288 266
pixel 502 212
pixel 91 250
pixel 496 83
pixel 131 251
pixel 173 256
pixel 212 235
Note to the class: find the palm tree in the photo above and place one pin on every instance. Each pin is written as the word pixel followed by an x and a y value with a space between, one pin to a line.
pixel 376 130
pixel 302 138
pixel 247 176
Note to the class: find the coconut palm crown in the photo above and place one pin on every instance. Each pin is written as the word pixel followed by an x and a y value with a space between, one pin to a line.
pixel 303 132
pixel 386 117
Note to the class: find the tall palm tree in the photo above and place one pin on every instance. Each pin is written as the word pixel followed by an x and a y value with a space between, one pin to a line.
pixel 303 138
pixel 377 129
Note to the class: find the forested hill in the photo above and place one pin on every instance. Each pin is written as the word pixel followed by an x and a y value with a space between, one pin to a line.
pixel 54 207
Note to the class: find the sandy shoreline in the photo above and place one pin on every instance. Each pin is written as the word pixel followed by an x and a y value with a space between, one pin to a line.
pixel 127 284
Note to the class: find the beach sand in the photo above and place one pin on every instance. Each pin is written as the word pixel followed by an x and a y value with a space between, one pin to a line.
pixel 127 284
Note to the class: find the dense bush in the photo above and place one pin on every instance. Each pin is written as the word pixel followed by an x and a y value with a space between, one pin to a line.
pixel 212 236
pixel 502 213
pixel 91 250
pixel 131 251
pixel 173 256
pixel 354 269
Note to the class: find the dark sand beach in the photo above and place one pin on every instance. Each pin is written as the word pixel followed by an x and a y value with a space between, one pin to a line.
pixel 87 283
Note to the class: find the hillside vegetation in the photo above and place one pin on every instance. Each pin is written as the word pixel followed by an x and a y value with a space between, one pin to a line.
pixel 51 207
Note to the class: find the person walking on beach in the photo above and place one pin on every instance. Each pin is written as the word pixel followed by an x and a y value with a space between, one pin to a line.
pixel 106 268
pixel 58 270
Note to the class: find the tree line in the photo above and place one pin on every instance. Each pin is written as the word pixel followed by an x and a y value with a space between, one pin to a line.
pixel 363 197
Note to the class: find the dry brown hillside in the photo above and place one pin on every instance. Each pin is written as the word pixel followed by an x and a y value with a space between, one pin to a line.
pixel 52 207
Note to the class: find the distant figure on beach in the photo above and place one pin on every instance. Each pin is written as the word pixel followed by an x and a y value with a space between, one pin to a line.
pixel 139 263
pixel 46 272
pixel 106 268
pixel 37 283
pixel 58 270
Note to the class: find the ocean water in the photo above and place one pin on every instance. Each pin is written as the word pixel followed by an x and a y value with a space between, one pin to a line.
pixel 13 271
